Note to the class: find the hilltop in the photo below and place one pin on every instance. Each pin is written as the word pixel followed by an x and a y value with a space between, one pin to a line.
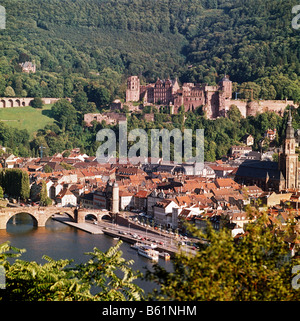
pixel 196 40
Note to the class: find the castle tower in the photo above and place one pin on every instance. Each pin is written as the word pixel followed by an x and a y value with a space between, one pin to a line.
pixel 115 198
pixel 133 89
pixel 226 86
pixel 288 159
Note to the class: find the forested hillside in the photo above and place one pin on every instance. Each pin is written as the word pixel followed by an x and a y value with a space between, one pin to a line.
pixel 85 49
pixel 106 40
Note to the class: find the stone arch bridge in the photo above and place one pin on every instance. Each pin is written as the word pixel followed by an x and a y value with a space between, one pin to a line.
pixel 40 215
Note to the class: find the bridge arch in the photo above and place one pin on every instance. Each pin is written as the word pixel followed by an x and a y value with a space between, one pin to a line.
pixel 40 214
pixel 104 215
pixel 80 214
pixel 39 219
pixel 34 220
pixel 70 214
pixel 91 216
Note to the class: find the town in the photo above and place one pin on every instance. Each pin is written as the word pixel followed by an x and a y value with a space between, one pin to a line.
pixel 167 195
pixel 149 151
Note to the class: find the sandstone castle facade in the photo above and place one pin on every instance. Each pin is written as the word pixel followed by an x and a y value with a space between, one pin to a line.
pixel 190 96
pixel 215 100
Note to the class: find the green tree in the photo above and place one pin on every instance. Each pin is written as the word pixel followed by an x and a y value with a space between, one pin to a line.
pixel 15 182
pixel 48 169
pixel 44 199
pixel 108 272
pixel 25 186
pixel 80 101
pixel 66 166
pixel 65 114
pixel 99 95
pixel 234 113
pixel 9 92
pixel 255 267
pixel 37 103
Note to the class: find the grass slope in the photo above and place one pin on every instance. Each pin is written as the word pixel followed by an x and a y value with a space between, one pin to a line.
pixel 27 117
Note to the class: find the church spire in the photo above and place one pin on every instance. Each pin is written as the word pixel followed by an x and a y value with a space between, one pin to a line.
pixel 290 133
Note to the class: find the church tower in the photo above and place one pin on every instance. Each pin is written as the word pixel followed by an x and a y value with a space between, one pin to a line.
pixel 288 159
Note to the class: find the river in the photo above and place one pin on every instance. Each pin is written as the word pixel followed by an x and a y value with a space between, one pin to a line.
pixel 60 241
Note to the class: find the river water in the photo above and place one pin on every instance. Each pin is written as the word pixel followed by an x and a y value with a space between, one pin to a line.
pixel 60 241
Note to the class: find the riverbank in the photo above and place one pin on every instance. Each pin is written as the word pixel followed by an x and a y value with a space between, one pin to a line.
pixel 86 227
pixel 132 240
pixel 126 232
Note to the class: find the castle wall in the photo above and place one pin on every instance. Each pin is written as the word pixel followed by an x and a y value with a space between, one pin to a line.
pixel 277 106
pixel 241 105
pixel 258 106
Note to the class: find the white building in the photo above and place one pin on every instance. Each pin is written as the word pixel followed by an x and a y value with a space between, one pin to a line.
pixel 126 200
pixel 163 211
pixel 66 198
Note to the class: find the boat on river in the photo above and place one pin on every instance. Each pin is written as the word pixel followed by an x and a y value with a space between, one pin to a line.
pixel 165 255
pixel 137 245
pixel 148 252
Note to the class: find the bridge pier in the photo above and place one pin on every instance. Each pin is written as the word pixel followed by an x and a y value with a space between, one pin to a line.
pixel 79 218
pixel 3 221
pixel 42 220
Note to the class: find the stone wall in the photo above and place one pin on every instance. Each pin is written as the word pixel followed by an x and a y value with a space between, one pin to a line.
pixel 8 102
pixel 259 106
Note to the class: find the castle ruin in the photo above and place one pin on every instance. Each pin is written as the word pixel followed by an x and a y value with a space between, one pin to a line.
pixel 215 100
pixel 190 95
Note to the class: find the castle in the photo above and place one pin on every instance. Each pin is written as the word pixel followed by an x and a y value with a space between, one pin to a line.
pixel 215 100
pixel 190 96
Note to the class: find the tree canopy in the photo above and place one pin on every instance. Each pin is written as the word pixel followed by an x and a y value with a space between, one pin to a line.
pixel 76 42
pixel 59 280
pixel 256 266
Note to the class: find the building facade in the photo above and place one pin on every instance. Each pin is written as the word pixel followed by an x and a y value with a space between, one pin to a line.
pixel 273 176
pixel 190 95
pixel 215 100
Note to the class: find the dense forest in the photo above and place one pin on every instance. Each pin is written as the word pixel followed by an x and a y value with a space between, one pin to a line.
pixel 73 41
pixel 85 49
